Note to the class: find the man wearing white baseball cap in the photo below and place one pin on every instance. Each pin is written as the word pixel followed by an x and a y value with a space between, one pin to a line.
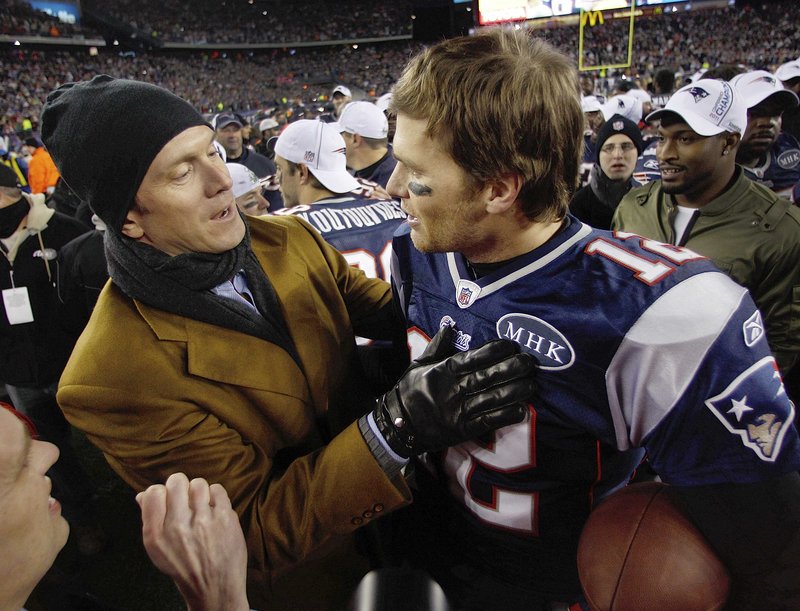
pixel 247 190
pixel 313 176
pixel 627 105
pixel 789 75
pixel 592 120
pixel 317 187
pixel 341 96
pixel 705 203
pixel 311 161
pixel 767 153
pixel 365 130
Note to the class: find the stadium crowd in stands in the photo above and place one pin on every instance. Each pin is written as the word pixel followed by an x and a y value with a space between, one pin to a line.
pixel 211 21
pixel 243 80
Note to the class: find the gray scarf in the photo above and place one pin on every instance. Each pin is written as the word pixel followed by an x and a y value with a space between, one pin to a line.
pixel 609 192
pixel 181 285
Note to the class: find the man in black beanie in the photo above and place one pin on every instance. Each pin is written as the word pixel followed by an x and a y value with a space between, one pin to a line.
pixel 619 144
pixel 163 378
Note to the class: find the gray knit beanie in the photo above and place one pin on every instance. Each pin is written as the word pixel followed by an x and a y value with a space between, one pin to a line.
pixel 103 134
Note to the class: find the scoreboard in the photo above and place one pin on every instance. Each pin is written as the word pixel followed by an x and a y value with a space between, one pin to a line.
pixel 67 11
pixel 499 11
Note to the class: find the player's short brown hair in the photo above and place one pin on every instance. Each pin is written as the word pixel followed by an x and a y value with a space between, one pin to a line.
pixel 502 102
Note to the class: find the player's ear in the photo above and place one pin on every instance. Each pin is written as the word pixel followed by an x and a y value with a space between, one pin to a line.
pixel 502 192
pixel 304 173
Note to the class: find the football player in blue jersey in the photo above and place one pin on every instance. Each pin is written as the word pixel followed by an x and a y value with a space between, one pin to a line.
pixel 316 186
pixel 641 346
pixel 768 154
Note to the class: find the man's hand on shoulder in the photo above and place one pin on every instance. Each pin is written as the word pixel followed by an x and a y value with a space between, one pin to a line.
pixel 445 398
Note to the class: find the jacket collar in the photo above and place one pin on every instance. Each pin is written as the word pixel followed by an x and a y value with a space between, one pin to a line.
pixel 34 223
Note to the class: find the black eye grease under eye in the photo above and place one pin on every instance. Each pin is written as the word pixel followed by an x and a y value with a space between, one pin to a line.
pixel 419 189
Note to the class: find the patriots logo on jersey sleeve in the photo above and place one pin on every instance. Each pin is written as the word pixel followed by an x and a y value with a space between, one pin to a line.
pixel 755 408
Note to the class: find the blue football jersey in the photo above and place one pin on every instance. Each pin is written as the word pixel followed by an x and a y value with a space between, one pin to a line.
pixel 358 227
pixel 640 345
pixel 646 169
pixel 780 170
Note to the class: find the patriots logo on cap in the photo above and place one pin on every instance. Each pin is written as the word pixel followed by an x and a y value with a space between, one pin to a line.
pixel 755 408
pixel 698 93
pixel 618 126
pixel 309 156
pixel 342 151
pixel 765 79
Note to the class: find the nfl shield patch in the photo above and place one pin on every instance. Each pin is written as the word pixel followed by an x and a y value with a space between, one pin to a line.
pixel 466 293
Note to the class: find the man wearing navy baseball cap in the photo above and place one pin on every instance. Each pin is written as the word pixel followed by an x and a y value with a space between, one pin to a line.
pixel 706 203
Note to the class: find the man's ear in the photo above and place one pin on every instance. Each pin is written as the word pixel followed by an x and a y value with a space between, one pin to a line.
pixel 305 175
pixel 731 141
pixel 502 192
pixel 131 226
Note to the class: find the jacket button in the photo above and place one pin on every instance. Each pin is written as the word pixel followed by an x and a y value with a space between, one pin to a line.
pixel 357 521
pixel 377 508
pixel 367 515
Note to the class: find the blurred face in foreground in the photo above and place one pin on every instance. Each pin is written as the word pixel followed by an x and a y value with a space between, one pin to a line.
pixel 32 530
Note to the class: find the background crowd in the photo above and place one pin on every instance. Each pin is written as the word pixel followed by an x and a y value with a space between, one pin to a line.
pixel 247 80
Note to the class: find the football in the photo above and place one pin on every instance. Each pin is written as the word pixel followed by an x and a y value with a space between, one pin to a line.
pixel 638 552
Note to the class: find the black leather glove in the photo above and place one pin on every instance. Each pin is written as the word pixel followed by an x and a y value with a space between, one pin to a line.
pixel 444 398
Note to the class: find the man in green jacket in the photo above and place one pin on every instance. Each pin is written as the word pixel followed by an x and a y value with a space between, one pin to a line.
pixel 705 203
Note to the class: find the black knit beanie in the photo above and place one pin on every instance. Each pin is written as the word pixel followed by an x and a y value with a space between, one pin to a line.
pixel 619 125
pixel 103 135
